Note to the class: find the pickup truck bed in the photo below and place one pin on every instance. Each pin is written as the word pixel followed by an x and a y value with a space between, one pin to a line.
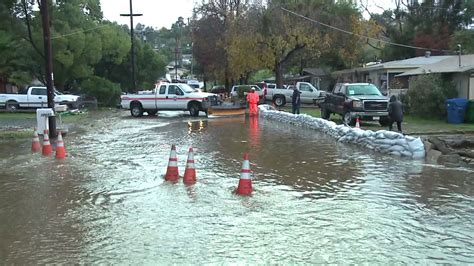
pixel 309 94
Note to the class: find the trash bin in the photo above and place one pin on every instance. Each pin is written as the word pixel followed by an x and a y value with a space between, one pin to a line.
pixel 470 112
pixel 42 119
pixel 456 110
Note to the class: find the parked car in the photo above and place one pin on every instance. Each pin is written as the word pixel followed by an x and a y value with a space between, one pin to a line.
pixel 35 97
pixel 352 100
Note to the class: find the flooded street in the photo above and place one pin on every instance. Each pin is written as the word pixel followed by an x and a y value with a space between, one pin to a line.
pixel 315 200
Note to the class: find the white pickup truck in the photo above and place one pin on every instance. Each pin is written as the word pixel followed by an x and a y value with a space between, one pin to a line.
pixel 309 94
pixel 168 97
pixel 35 97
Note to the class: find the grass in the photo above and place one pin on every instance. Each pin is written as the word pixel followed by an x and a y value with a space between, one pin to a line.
pixel 19 125
pixel 411 124
pixel 12 116
pixel 7 135
pixel 27 115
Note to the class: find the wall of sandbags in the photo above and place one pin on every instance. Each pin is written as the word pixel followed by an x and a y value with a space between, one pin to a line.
pixel 383 141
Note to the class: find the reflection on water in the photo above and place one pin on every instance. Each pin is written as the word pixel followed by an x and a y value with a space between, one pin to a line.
pixel 315 200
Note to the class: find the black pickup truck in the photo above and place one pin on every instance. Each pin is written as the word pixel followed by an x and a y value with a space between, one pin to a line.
pixel 352 100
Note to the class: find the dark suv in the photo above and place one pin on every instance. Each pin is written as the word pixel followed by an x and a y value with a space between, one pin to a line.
pixel 352 100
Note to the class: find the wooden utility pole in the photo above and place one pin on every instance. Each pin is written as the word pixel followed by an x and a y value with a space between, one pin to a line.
pixel 131 15
pixel 48 54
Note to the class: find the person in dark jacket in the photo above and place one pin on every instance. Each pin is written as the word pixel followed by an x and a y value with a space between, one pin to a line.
pixel 296 101
pixel 395 113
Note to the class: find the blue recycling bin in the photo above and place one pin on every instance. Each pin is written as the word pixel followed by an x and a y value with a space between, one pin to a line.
pixel 456 109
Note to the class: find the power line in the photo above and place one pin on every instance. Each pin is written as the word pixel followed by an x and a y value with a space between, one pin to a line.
pixel 77 32
pixel 360 35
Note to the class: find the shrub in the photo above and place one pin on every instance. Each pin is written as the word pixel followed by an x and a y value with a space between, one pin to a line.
pixel 427 95
pixel 242 90
pixel 106 92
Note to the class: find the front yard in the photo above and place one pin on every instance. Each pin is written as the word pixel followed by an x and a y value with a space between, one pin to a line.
pixel 20 125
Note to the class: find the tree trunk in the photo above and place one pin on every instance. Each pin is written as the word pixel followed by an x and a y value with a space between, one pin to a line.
pixel 278 74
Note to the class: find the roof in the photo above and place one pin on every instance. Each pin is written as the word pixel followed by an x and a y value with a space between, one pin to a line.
pixel 448 65
pixel 315 71
pixel 411 63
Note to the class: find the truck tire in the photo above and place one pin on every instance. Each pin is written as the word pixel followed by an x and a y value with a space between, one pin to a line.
pixel 279 100
pixel 136 109
pixel 12 106
pixel 347 119
pixel 194 109
pixel 325 114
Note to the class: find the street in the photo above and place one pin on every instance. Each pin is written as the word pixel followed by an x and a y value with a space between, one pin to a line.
pixel 315 200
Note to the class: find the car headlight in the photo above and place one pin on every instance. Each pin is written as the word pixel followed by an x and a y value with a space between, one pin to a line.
pixel 357 104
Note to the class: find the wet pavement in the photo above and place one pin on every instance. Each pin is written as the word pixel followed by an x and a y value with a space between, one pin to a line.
pixel 315 200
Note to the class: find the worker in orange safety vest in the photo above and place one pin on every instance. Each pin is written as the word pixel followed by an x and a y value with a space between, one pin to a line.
pixel 253 99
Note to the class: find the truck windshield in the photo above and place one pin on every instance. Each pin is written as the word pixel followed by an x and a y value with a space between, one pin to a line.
pixel 363 90
pixel 186 88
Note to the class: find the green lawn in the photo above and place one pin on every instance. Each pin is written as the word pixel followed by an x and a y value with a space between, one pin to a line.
pixel 5 116
pixel 411 124
pixel 12 116
pixel 19 125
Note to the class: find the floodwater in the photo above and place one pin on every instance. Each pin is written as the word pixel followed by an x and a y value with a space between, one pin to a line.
pixel 315 200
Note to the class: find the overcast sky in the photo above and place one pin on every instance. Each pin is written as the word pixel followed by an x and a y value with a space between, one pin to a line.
pixel 163 13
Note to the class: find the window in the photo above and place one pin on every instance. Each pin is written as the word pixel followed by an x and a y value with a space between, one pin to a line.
pixel 179 91
pixel 38 91
pixel 305 87
pixel 172 89
pixel 257 88
pixel 185 88
pixel 363 90
pixel 162 89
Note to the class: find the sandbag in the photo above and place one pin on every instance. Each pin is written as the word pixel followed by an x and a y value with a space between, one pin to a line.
pixel 386 141
pixel 420 154
pixel 416 145
pixel 392 135
pixel 397 148
pixel 368 133
pixel 406 153
pixel 383 141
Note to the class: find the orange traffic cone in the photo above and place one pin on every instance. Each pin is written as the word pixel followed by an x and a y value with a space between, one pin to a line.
pixel 172 174
pixel 60 149
pixel 245 182
pixel 189 177
pixel 357 122
pixel 47 149
pixel 35 146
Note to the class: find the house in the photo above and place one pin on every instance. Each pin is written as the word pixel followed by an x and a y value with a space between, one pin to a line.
pixel 319 77
pixel 385 75
pixel 459 69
